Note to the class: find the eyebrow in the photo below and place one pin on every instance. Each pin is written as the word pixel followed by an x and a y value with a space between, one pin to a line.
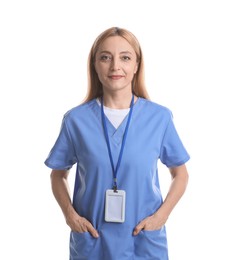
pixel 122 52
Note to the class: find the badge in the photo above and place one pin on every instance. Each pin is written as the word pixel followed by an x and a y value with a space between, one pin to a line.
pixel 115 206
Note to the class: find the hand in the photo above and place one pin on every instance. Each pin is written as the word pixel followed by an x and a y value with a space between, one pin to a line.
pixel 81 225
pixel 154 222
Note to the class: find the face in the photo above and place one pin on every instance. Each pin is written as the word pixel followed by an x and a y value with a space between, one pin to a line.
pixel 116 64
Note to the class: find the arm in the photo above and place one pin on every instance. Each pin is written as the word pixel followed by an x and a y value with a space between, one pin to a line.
pixel 61 193
pixel 177 188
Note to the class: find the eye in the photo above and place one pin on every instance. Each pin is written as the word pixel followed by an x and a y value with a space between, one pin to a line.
pixel 126 58
pixel 105 57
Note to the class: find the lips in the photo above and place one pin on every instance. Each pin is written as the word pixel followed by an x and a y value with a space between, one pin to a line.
pixel 116 77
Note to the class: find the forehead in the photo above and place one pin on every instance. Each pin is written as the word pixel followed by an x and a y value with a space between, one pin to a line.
pixel 116 44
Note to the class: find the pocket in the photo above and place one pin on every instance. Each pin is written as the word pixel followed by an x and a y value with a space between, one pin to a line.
pixel 151 245
pixel 117 241
pixel 81 245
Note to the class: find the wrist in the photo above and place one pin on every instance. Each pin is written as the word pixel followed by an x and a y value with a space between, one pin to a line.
pixel 70 214
pixel 162 213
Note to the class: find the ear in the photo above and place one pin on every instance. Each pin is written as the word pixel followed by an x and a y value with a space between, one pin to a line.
pixel 136 68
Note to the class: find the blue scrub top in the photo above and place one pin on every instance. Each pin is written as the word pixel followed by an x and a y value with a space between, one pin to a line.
pixel 151 136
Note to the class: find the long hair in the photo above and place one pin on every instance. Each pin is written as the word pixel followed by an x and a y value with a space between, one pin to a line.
pixel 94 85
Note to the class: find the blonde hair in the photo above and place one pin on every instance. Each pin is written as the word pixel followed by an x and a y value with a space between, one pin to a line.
pixel 94 85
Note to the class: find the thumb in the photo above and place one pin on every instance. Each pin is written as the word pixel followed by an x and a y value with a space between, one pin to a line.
pixel 138 228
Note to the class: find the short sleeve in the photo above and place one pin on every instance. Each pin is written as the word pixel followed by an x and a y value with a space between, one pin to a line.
pixel 62 156
pixel 173 152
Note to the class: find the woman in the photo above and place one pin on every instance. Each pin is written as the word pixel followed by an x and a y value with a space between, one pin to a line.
pixel 116 138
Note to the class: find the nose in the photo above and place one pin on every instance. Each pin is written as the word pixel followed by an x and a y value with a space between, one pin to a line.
pixel 115 64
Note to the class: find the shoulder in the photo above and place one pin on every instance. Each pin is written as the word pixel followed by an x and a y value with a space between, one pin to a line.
pixel 155 108
pixel 79 111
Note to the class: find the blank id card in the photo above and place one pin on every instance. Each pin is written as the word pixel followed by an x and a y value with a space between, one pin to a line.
pixel 115 206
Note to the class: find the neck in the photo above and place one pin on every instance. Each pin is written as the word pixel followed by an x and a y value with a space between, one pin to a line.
pixel 118 100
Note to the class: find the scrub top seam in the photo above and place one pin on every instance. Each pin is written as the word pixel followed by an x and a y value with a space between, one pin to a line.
pixel 70 138
pixel 116 134
pixel 95 113
pixel 179 163
pixel 162 142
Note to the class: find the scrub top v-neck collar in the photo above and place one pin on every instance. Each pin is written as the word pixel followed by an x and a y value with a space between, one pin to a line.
pixel 115 134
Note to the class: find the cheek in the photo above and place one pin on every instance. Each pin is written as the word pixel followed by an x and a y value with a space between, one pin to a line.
pixel 101 68
pixel 97 68
pixel 99 71
pixel 131 71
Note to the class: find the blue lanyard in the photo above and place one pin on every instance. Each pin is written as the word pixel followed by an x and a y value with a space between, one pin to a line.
pixel 115 170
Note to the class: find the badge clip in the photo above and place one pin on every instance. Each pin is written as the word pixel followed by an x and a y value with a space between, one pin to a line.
pixel 115 187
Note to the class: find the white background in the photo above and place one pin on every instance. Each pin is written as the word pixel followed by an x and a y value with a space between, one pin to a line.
pixel 191 67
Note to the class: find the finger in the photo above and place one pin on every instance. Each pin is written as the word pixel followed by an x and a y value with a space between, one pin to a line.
pixel 92 231
pixel 138 228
